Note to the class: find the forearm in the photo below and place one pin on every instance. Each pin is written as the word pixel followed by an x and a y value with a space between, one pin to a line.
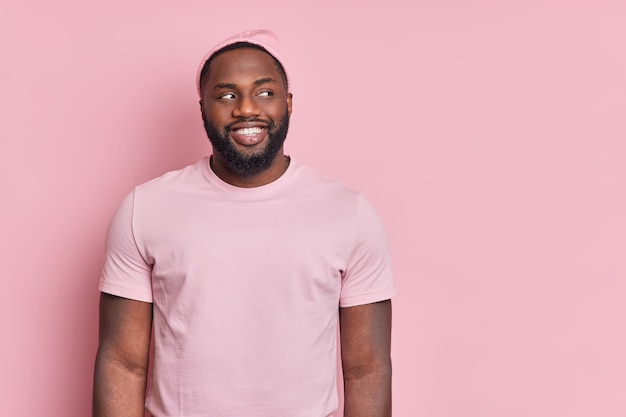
pixel 119 390
pixel 367 392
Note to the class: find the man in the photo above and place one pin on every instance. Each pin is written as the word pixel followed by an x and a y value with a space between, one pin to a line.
pixel 240 269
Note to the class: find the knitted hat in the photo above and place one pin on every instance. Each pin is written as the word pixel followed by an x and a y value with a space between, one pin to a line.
pixel 261 37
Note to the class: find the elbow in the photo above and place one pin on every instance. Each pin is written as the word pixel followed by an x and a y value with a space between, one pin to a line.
pixel 381 368
pixel 132 367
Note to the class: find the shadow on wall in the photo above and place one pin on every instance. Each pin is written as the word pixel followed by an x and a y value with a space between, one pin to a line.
pixel 171 135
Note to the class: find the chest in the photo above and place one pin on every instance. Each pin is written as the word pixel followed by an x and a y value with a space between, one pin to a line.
pixel 272 247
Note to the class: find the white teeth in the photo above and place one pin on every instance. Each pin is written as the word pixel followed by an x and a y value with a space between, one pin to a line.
pixel 249 131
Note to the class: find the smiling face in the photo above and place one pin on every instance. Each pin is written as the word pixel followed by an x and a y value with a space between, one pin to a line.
pixel 246 109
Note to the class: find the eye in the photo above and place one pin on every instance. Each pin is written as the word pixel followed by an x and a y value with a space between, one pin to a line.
pixel 227 96
pixel 266 94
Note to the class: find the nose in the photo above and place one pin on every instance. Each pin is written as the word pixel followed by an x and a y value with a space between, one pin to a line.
pixel 246 107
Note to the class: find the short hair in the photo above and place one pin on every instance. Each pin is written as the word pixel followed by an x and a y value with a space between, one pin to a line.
pixel 204 74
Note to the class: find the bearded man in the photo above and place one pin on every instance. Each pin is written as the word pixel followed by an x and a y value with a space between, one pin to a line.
pixel 242 269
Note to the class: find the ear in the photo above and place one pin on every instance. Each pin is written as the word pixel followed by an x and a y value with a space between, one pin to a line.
pixel 289 102
pixel 201 106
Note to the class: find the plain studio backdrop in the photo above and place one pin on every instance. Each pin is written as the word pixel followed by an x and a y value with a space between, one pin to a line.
pixel 490 136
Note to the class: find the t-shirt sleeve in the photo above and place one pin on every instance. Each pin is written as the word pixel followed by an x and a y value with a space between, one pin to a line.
pixel 125 272
pixel 368 277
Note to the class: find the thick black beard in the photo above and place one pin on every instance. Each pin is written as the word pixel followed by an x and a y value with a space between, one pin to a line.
pixel 248 165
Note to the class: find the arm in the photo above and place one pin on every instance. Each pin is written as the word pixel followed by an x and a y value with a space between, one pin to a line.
pixel 122 360
pixel 365 354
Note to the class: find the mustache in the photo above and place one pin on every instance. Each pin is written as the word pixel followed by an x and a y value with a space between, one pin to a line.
pixel 268 123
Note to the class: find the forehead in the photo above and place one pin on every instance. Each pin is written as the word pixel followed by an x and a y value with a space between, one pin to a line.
pixel 240 65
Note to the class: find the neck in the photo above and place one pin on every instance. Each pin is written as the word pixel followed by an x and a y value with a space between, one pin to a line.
pixel 275 171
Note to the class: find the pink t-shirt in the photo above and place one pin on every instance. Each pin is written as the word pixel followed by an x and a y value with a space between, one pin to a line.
pixel 246 285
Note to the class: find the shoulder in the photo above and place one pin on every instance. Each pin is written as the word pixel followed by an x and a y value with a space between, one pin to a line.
pixel 312 180
pixel 173 182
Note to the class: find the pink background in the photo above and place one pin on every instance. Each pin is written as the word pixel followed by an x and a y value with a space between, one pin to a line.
pixel 491 136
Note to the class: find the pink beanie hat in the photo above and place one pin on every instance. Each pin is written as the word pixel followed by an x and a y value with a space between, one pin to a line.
pixel 261 37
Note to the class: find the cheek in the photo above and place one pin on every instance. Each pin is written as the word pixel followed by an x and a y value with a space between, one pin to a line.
pixel 277 110
pixel 217 116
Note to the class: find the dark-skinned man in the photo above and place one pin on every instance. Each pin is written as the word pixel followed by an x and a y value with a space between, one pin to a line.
pixel 241 268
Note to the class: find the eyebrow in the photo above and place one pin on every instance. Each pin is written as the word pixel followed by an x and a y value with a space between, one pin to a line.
pixel 264 80
pixel 234 86
pixel 230 86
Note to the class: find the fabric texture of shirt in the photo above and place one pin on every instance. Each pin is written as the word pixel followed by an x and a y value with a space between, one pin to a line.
pixel 246 284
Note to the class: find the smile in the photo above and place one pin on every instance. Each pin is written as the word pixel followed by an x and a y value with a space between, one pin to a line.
pixel 249 135
pixel 248 131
